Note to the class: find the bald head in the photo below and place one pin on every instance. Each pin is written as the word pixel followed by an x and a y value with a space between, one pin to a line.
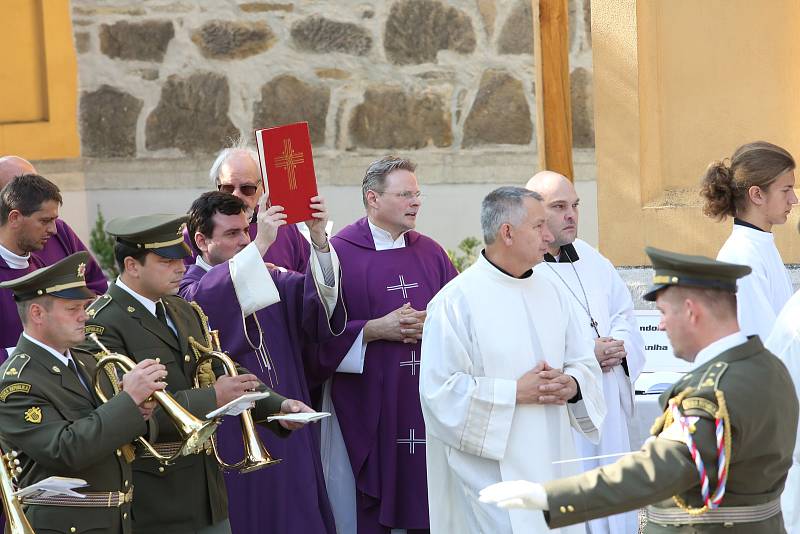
pixel 12 166
pixel 561 203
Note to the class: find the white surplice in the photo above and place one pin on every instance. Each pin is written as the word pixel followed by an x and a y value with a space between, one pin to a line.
pixel 483 331
pixel 611 306
pixel 784 342
pixel 762 293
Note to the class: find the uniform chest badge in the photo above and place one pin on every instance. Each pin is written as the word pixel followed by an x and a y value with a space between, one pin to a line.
pixel 131 309
pixel 34 415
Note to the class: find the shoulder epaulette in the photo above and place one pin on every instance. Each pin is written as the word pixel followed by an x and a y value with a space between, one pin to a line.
pixel 99 303
pixel 12 368
pixel 711 377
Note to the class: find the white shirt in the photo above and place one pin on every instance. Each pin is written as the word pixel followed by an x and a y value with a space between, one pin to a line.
pixel 63 358
pixel 148 304
pixel 718 347
pixel 14 261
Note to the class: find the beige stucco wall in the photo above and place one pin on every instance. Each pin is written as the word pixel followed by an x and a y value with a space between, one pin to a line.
pixel 678 84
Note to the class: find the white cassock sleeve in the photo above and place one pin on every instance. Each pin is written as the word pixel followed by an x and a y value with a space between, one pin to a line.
pixel 586 416
pixel 470 413
pixel 254 287
pixel 623 326
pixel 784 342
pixel 755 311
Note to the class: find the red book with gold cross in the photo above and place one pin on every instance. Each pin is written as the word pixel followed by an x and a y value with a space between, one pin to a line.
pixel 287 166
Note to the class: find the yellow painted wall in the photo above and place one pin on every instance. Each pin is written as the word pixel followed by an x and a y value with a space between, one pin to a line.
pixel 38 82
pixel 678 84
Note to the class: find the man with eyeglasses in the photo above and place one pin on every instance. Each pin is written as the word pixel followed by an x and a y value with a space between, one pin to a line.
pixel 235 171
pixel 373 447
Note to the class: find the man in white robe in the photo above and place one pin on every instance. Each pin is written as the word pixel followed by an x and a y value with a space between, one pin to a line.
pixel 784 342
pixel 506 372
pixel 605 308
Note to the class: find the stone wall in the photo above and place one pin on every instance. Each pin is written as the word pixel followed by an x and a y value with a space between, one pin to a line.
pixel 169 79
pixel 165 83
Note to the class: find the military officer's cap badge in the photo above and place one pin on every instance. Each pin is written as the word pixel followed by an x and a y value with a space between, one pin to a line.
pixel 64 279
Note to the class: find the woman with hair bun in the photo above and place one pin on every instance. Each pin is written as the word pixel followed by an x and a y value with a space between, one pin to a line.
pixel 757 189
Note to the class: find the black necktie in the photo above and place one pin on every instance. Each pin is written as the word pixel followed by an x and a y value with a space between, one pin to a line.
pixel 74 369
pixel 161 315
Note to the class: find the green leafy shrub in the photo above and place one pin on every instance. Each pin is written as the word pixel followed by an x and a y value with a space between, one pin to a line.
pixel 102 245
pixel 467 253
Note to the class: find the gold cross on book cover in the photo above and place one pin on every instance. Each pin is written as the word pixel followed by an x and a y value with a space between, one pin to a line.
pixel 287 167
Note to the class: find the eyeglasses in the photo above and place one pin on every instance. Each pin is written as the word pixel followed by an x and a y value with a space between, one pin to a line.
pixel 405 195
pixel 247 190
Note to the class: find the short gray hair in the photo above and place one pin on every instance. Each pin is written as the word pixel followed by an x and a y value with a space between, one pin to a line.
pixel 501 206
pixel 239 144
pixel 375 178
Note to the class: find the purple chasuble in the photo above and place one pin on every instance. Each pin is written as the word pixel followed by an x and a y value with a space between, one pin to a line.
pixel 289 496
pixel 9 318
pixel 66 242
pixel 290 249
pixel 379 411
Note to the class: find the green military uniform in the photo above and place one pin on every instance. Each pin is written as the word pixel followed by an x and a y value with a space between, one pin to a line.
pixel 60 428
pixel 189 494
pixel 746 386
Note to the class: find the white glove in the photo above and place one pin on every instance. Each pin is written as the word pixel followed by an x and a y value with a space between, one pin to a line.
pixel 516 494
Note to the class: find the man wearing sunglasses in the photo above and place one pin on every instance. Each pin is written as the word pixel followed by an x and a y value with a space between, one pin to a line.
pixel 235 171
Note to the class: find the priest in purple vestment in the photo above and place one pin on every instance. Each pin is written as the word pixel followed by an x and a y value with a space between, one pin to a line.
pixel 65 241
pixel 236 171
pixel 29 222
pixel 373 448
pixel 264 317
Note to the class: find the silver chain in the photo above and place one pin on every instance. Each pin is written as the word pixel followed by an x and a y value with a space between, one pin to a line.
pixel 585 307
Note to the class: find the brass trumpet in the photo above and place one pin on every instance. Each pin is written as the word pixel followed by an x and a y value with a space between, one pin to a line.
pixel 193 431
pixel 256 455
pixel 15 518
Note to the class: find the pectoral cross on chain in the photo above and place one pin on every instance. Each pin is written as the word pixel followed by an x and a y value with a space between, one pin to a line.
pixel 594 324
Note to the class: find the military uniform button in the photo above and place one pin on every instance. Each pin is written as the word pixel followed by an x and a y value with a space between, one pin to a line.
pixel 126 483
pixel 73 529
pixel 208 452
pixel 563 509
pixel 187 358
pixel 119 452
pixel 570 508
pixel 160 469
pixel 125 515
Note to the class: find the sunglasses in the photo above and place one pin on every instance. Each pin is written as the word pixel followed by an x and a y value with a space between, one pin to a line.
pixel 247 190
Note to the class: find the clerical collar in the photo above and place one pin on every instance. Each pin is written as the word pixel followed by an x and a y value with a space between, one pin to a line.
pixel 148 304
pixel 15 261
pixel 203 264
pixel 383 239
pixel 718 347
pixel 747 224
pixel 526 274
pixel 63 358
pixel 568 250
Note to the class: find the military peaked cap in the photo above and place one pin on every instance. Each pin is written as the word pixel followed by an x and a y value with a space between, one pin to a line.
pixel 674 269
pixel 65 279
pixel 161 234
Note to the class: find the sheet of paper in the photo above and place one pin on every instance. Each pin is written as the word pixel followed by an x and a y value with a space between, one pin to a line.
pixel 52 486
pixel 302 417
pixel 238 405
